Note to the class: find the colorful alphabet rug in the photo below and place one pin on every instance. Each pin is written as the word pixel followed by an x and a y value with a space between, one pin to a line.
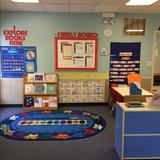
pixel 52 125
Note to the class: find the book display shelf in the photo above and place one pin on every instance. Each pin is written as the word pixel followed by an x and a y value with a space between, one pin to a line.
pixel 82 88
pixel 40 91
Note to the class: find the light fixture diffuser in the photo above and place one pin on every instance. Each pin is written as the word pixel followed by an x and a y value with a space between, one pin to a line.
pixel 134 30
pixel 26 1
pixel 141 2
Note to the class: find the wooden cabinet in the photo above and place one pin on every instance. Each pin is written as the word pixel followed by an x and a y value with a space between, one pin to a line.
pixel 40 91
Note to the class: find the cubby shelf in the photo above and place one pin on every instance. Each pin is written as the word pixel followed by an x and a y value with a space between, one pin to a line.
pixel 40 91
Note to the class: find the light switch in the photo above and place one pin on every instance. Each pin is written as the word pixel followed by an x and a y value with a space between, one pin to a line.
pixel 103 52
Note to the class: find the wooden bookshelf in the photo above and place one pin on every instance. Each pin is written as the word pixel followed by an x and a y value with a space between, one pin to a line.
pixel 40 91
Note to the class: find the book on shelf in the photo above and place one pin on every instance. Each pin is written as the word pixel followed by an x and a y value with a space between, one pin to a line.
pixel 38 102
pixel 28 88
pixel 39 77
pixel 40 88
pixel 50 77
pixel 52 102
pixel 51 88
pixel 28 102
pixel 45 102
pixel 30 77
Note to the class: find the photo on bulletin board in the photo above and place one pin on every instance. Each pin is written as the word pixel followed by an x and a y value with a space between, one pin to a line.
pixel 76 53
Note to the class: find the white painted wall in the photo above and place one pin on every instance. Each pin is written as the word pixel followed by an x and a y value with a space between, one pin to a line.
pixel 11 91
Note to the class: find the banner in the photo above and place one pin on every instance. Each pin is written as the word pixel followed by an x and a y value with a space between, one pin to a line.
pixel 124 60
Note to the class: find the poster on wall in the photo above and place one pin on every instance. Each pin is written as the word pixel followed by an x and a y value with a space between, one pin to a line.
pixel 76 52
pixel 17 60
pixel 124 60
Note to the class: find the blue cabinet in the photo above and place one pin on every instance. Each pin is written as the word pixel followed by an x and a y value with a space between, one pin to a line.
pixel 137 132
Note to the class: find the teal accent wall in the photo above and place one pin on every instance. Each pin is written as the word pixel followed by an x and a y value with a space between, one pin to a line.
pixel 42 28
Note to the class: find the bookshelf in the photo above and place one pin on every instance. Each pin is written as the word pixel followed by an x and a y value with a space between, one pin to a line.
pixel 40 91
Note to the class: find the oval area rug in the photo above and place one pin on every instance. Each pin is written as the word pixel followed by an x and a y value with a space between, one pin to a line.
pixel 52 125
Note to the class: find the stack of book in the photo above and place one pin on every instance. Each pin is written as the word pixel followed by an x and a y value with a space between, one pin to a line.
pixel 134 105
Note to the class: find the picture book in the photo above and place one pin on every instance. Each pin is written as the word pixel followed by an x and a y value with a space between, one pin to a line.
pixel 39 77
pixel 28 88
pixel 38 102
pixel 30 77
pixel 45 102
pixel 51 88
pixel 49 77
pixel 39 88
pixel 28 102
pixel 52 102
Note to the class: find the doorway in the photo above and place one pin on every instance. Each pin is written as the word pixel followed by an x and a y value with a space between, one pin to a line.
pixel 156 63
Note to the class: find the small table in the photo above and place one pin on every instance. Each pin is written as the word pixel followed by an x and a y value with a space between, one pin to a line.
pixel 121 94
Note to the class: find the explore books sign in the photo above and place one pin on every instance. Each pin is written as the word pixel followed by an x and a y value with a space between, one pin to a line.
pixel 15 36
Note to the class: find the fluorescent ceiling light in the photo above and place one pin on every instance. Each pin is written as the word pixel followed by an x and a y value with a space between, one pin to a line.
pixel 26 1
pixel 141 2
pixel 134 30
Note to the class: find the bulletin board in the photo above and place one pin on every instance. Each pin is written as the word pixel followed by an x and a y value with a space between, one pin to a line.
pixel 124 60
pixel 17 60
pixel 76 53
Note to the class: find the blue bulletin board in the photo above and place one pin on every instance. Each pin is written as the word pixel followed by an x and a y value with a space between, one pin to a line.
pixel 124 60
pixel 17 60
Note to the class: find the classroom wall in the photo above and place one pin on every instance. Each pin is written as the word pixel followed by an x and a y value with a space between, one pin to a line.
pixel 42 28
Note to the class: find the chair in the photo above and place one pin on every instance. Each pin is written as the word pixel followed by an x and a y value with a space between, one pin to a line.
pixel 112 98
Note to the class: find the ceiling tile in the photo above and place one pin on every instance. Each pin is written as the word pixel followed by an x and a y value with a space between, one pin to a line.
pixel 5 1
pixel 56 8
pixel 157 3
pixel 30 6
pixel 106 8
pixel 8 7
pixel 112 2
pixel 82 8
pixel 151 9
pixel 55 1
pixel 131 9
pixel 83 2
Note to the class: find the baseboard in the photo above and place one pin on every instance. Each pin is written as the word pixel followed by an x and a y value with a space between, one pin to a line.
pixel 11 105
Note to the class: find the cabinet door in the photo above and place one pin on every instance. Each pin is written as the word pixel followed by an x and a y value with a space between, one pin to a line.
pixel 142 123
pixel 142 146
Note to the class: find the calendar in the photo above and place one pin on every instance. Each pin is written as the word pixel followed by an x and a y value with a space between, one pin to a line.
pixel 17 60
